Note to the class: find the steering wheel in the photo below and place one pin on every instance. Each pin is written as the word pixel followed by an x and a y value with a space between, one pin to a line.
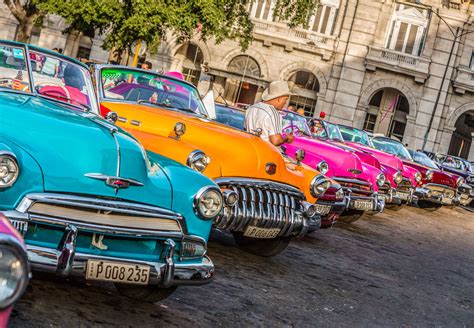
pixel 293 129
pixel 61 93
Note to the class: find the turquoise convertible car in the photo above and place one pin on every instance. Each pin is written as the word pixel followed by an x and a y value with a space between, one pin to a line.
pixel 87 198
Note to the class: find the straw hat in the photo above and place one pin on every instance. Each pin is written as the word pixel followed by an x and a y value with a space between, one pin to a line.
pixel 276 89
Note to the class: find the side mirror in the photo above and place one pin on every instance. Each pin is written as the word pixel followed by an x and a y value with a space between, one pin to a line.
pixel 111 117
pixel 300 155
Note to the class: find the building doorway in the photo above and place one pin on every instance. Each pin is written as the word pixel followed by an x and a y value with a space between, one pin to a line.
pixel 241 87
pixel 462 137
pixel 387 113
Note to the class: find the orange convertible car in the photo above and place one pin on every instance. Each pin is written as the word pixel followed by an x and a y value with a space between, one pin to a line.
pixel 269 199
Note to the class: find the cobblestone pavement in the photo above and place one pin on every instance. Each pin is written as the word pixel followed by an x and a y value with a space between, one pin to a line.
pixel 408 268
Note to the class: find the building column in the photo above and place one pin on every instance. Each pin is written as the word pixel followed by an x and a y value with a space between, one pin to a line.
pixel 97 52
pixel 446 136
pixel 52 38
pixel 409 131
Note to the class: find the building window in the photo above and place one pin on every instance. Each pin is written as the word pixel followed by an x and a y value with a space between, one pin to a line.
pixel 325 17
pixel 471 63
pixel 369 123
pixel 263 9
pixel 308 104
pixel 305 87
pixel 83 52
pixel 245 66
pixel 408 28
pixel 193 59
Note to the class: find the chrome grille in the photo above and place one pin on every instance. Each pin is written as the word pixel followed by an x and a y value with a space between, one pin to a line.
pixel 263 204
pixel 357 187
pixel 440 190
pixel 20 226
pixel 405 186
pixel 105 215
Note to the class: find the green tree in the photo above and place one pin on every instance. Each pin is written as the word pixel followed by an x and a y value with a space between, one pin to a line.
pixel 27 14
pixel 124 21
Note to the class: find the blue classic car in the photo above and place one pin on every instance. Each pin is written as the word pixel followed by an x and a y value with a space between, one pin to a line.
pixel 87 198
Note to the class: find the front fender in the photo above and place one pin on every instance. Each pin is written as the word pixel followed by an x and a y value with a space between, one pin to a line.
pixel 30 179
pixel 185 183
pixel 389 174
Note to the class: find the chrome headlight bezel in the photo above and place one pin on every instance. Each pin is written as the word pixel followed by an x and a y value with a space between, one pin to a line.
pixel 398 177
pixel 12 245
pixel 429 175
pixel 418 176
pixel 381 179
pixel 319 185
pixel 201 196
pixel 323 167
pixel 9 162
pixel 459 181
pixel 198 160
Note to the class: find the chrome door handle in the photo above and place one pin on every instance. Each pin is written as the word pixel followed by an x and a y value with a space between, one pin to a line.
pixel 122 119
pixel 135 122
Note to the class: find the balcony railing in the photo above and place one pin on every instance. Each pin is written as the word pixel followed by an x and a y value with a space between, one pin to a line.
pixel 276 32
pixel 464 80
pixel 399 62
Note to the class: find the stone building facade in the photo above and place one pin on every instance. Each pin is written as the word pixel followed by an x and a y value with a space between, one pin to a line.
pixel 381 65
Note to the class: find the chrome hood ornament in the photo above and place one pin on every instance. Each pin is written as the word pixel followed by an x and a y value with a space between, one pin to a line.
pixel 114 182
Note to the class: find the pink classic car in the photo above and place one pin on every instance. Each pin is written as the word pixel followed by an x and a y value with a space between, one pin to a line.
pixel 358 179
pixel 410 177
pixel 14 269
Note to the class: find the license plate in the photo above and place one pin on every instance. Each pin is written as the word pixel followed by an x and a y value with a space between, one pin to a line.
pixel 323 209
pixel 117 272
pixel 365 205
pixel 447 201
pixel 403 196
pixel 256 232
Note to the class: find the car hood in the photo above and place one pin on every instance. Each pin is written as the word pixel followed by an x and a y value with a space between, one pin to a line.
pixel 384 158
pixel 68 144
pixel 439 177
pixel 233 153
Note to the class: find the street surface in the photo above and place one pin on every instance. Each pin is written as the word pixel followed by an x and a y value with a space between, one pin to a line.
pixel 409 268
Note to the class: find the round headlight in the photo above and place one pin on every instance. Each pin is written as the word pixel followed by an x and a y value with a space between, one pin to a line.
pixel 459 181
pixel 9 170
pixel 13 273
pixel 398 177
pixel 319 185
pixel 429 175
pixel 208 202
pixel 418 176
pixel 381 179
pixel 323 167
pixel 198 161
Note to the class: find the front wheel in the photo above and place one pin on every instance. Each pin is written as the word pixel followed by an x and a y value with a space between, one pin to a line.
pixel 261 247
pixel 150 294
pixel 395 207
pixel 429 206
pixel 351 216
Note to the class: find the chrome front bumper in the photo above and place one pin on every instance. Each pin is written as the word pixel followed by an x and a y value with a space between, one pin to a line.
pixel 330 211
pixel 377 203
pixel 391 197
pixel 429 195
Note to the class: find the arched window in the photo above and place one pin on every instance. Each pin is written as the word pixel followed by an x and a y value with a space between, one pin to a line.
pixel 305 87
pixel 245 66
pixel 408 28
pixel 193 58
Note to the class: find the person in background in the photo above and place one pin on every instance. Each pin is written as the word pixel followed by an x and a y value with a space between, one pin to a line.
pixel 322 115
pixel 300 111
pixel 264 118
pixel 147 65
pixel 291 108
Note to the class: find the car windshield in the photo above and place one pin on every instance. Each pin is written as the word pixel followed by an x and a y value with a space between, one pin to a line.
pixel 54 77
pixel 147 87
pixel 318 129
pixel 230 116
pixel 423 159
pixel 295 123
pixel 452 162
pixel 354 135
pixel 392 147
pixel 333 130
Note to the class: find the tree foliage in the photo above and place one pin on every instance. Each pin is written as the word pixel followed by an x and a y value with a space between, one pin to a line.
pixel 27 14
pixel 124 21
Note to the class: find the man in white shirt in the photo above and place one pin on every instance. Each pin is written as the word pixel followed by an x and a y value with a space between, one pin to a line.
pixel 263 117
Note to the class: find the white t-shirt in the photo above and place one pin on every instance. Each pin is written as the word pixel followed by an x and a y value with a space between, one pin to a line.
pixel 265 117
